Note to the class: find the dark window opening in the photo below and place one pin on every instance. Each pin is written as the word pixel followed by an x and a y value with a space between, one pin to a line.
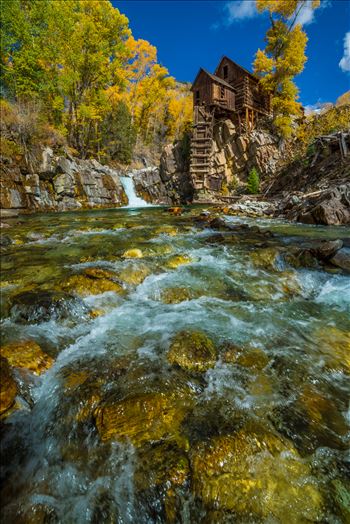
pixel 225 72
pixel 197 97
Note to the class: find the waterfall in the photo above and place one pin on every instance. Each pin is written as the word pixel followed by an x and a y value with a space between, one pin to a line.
pixel 129 188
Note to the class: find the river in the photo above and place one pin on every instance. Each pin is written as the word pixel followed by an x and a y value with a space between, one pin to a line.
pixel 188 378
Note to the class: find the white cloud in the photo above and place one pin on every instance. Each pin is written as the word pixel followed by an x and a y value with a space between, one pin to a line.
pixel 240 10
pixel 306 14
pixel 344 63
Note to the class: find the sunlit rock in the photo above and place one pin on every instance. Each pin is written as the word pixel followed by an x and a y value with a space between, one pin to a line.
pixel 266 258
pixel 134 274
pixel 141 417
pixel 334 344
pixel 193 351
pixel 26 354
pixel 166 230
pixel 8 389
pixel 178 260
pixel 85 285
pixel 175 295
pixel 255 474
pixel 159 250
pixel 98 273
pixel 132 253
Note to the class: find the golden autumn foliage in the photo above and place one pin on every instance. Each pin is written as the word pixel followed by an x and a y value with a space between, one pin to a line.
pixel 282 59
pixel 98 85
pixel 332 119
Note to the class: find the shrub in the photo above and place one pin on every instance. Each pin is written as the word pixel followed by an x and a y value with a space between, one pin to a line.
pixel 253 182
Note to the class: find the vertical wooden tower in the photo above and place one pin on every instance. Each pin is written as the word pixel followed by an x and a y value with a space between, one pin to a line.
pixel 232 92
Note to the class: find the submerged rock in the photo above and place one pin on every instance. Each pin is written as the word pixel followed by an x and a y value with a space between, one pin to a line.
pixel 42 306
pixel 132 253
pixel 140 418
pixel 26 354
pixel 163 464
pixel 265 258
pixel 93 283
pixel 134 274
pixel 166 230
pixel 175 295
pixel 255 474
pixel 8 389
pixel 178 260
pixel 192 351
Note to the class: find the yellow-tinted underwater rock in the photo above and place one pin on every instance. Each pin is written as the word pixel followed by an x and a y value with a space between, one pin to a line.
pixel 134 274
pixel 167 230
pixel 178 260
pixel 334 343
pixel 252 358
pixel 193 351
pixel 132 253
pixel 141 418
pixel 161 465
pixel 265 258
pixel 26 354
pixel 85 285
pixel 8 390
pixel 257 475
pixel 175 295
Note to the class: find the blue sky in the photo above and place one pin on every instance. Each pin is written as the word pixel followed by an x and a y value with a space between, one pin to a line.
pixel 195 33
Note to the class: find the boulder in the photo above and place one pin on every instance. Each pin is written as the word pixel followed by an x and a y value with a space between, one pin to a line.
pixel 26 354
pixel 132 253
pixel 42 306
pixel 93 282
pixel 178 260
pixel 331 207
pixel 257 475
pixel 141 418
pixel 326 249
pixel 341 259
pixel 192 351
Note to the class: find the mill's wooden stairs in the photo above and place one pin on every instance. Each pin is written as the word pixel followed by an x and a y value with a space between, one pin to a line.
pixel 201 146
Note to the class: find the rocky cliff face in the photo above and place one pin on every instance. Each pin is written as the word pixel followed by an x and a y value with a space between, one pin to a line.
pixel 60 183
pixel 232 156
pixel 235 154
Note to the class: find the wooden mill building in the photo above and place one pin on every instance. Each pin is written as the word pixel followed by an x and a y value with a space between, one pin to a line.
pixel 231 92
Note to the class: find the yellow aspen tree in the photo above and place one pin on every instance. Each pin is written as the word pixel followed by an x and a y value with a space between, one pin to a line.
pixel 283 58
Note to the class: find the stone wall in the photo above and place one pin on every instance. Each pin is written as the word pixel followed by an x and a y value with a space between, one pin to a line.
pixel 60 183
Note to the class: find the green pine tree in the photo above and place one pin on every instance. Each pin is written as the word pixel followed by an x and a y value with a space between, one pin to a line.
pixel 253 182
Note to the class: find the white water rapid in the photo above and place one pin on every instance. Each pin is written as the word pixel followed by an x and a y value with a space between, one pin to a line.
pixel 129 188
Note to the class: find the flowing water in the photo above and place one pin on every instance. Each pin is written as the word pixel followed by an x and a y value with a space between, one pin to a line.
pixel 133 200
pixel 125 427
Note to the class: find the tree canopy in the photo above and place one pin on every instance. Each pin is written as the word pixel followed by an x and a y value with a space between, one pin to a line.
pixel 283 58
pixel 78 60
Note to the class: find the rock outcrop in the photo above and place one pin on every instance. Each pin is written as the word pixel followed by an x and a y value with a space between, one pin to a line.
pixel 329 207
pixel 60 183
pixel 150 186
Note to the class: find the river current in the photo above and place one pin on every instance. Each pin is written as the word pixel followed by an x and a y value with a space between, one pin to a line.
pixel 193 379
